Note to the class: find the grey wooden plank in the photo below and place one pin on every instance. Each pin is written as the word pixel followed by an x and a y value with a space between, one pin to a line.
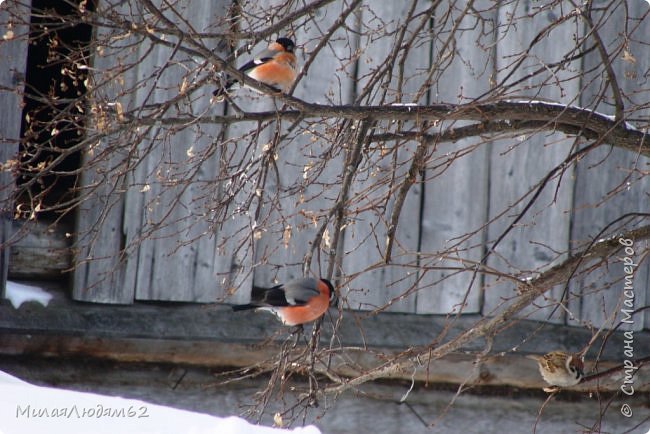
pixel 455 196
pixel 302 181
pixel 218 323
pixel 167 217
pixel 602 292
pixel 98 274
pixel 373 284
pixel 165 264
pixel 218 337
pixel 644 278
pixel 234 230
pixel 207 17
pixel 609 181
pixel 40 250
pixel 162 263
pixel 13 52
pixel 519 164
pixel 99 264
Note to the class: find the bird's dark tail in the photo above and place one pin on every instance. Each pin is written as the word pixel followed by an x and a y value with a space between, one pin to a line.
pixel 261 297
pixel 221 91
pixel 258 293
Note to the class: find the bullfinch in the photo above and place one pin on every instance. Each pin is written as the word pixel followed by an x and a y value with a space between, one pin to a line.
pixel 275 66
pixel 295 303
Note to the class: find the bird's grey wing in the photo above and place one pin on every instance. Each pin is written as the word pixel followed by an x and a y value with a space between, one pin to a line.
pixel 299 291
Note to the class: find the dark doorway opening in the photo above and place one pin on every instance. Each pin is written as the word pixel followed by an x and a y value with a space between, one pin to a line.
pixel 53 113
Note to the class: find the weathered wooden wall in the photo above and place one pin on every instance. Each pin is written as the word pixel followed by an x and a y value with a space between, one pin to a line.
pixel 607 182
pixel 188 259
pixel 13 52
pixel 455 200
pixel 517 167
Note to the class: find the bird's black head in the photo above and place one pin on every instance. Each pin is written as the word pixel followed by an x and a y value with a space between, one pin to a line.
pixel 287 44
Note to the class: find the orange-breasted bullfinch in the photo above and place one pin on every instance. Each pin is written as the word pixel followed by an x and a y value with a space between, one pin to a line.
pixel 295 303
pixel 275 66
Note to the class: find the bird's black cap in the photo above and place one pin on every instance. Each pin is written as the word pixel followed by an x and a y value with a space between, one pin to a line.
pixel 287 43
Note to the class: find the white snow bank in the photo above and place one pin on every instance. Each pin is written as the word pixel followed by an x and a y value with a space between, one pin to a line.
pixel 26 408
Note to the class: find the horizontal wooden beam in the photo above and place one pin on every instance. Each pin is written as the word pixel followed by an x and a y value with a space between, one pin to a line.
pixel 39 250
pixel 214 336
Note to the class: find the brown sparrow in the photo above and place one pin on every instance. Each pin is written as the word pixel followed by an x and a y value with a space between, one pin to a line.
pixel 560 369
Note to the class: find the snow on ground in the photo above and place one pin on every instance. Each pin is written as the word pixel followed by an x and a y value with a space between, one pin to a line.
pixel 26 408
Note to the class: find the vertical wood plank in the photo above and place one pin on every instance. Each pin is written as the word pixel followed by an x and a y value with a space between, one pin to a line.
pixel 13 52
pixel 455 196
pixel 383 169
pixel 609 180
pixel 518 165
pixel 99 264
pixel 130 258
pixel 172 191
pixel 235 262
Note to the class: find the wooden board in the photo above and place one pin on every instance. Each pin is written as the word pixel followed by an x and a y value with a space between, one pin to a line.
pixel 170 184
pixel 518 165
pixel 609 180
pixel 13 52
pixel 167 224
pixel 201 257
pixel 41 251
pixel 383 170
pixel 99 239
pixel 456 187
pixel 217 337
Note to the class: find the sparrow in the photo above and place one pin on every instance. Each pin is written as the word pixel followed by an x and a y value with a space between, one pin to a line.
pixel 294 303
pixel 559 368
pixel 275 66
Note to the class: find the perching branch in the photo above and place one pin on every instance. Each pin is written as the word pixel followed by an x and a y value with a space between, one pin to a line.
pixel 498 117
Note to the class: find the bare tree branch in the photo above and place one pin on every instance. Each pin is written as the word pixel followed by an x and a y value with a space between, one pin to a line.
pixel 528 292
pixel 496 117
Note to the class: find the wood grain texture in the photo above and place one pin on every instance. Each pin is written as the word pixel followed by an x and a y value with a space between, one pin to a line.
pixel 13 52
pixel 609 181
pixel 384 167
pixel 518 166
pixel 136 257
pixel 169 226
pixel 249 167
pixel 456 182
pixel 100 261
pixel 213 336
pixel 202 256
pixel 41 251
